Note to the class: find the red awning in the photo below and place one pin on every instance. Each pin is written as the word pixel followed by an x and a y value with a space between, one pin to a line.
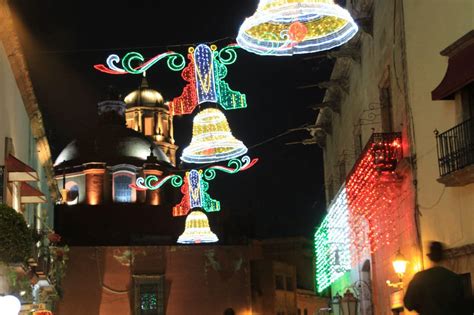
pixel 29 194
pixel 19 171
pixel 460 70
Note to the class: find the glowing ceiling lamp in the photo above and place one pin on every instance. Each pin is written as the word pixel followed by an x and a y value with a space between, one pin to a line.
pixel 212 139
pixel 197 229
pixel 288 27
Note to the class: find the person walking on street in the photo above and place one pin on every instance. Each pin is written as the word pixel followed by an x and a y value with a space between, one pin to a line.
pixel 436 290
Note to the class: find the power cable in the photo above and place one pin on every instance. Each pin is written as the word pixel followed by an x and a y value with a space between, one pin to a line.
pixel 167 46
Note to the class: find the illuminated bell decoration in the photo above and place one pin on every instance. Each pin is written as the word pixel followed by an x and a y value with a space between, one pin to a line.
pixel 212 139
pixel 288 27
pixel 197 229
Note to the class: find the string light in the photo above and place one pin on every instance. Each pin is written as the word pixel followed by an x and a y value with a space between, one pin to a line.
pixel 361 217
pixel 332 243
pixel 212 139
pixel 287 27
pixel 197 229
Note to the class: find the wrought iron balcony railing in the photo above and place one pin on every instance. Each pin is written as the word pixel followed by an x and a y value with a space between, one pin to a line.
pixel 456 148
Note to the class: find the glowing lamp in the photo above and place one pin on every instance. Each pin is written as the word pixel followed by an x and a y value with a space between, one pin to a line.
pixel 287 27
pixel 197 229
pixel 10 305
pixel 212 139
pixel 400 264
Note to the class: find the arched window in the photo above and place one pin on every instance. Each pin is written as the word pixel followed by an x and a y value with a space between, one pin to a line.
pixel 121 189
pixel 72 193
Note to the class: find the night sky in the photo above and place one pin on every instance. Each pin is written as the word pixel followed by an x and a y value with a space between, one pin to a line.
pixel 62 41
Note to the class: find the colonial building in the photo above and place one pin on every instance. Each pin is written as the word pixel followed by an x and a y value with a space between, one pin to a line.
pixel 26 174
pixel 385 195
pixel 123 249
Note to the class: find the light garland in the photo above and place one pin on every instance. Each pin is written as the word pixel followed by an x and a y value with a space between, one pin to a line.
pixel 212 139
pixel 287 27
pixel 361 218
pixel 197 230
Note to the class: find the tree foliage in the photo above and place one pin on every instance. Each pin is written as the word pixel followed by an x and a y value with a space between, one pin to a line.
pixel 16 240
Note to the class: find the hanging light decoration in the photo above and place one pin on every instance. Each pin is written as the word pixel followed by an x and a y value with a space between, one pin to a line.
pixel 197 229
pixel 288 27
pixel 212 139
pixel 205 74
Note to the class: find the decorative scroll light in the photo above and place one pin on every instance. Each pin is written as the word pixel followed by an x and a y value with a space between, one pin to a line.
pixel 205 75
pixel 288 27
pixel 134 63
pixel 197 229
pixel 362 217
pixel 212 139
pixel 194 185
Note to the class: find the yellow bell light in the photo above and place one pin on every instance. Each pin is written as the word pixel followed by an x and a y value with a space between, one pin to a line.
pixel 197 229
pixel 212 139
pixel 288 27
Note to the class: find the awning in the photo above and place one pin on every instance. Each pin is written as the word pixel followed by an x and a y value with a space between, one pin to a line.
pixel 460 70
pixel 19 171
pixel 29 194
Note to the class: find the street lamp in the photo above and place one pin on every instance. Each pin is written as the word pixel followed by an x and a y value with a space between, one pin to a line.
pixel 336 304
pixel 400 267
pixel 349 304
pixel 10 305
pixel 345 305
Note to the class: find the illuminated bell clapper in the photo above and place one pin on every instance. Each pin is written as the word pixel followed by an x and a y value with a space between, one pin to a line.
pixel 287 27
pixel 212 139
pixel 197 229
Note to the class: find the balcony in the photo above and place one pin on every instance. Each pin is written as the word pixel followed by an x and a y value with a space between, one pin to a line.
pixel 456 154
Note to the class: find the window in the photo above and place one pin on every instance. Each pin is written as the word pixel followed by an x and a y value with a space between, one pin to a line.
pixel 121 189
pixel 130 123
pixel 386 103
pixel 299 311
pixel 467 99
pixel 279 282
pixel 289 284
pixel 149 126
pixel 386 108
pixel 342 171
pixel 305 312
pixel 149 295
pixel 72 192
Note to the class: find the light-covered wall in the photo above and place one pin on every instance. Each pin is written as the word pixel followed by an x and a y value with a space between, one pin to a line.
pixel 381 65
pixel 447 213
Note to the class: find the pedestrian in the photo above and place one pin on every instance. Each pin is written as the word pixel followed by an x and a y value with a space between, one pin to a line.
pixel 436 290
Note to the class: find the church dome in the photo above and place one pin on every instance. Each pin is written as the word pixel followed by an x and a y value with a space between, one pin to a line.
pixel 111 144
pixel 144 96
